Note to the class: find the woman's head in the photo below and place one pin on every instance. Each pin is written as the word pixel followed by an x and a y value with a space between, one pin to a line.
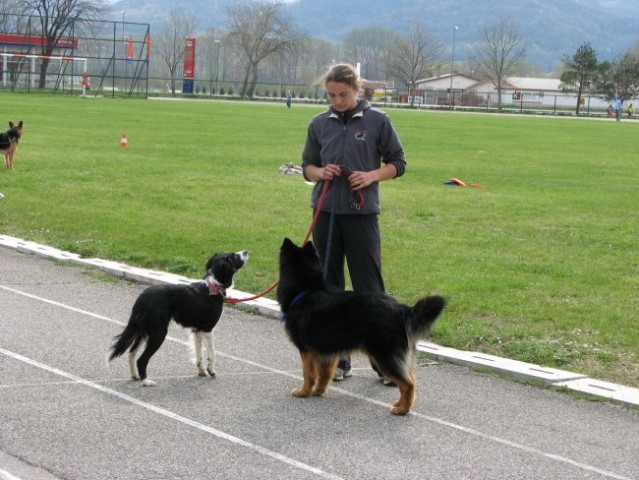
pixel 343 73
pixel 342 85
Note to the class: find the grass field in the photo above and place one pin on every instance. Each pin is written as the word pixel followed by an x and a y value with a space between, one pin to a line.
pixel 541 265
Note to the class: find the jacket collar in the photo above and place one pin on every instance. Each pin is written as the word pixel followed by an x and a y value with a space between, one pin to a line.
pixel 358 111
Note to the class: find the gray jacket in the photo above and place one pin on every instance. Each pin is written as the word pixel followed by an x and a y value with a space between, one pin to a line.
pixel 363 142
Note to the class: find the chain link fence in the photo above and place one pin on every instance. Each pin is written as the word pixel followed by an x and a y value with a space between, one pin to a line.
pixel 94 57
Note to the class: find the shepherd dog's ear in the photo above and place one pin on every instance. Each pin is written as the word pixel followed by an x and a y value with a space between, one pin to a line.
pixel 288 244
pixel 309 250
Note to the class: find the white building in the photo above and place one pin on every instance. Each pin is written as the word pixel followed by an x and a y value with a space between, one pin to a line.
pixel 522 92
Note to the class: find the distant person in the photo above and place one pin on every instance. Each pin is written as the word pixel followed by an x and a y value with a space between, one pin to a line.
pixel 289 99
pixel 629 110
pixel 618 107
pixel 609 111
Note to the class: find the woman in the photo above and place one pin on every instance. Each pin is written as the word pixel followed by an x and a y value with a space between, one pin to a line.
pixel 354 146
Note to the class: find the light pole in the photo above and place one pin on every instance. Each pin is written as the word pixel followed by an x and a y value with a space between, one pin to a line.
pixel 217 61
pixel 452 66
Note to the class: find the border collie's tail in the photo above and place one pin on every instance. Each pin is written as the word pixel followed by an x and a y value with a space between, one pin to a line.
pixel 424 314
pixel 130 335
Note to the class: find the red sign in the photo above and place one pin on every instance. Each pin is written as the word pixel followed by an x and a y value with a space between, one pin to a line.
pixel 189 58
pixel 129 50
pixel 36 41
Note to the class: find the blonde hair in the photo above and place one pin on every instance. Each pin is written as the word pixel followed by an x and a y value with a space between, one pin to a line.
pixel 343 73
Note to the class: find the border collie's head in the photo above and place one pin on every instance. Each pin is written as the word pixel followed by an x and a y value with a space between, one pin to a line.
pixel 222 266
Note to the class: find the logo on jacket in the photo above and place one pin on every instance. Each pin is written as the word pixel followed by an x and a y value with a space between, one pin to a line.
pixel 360 135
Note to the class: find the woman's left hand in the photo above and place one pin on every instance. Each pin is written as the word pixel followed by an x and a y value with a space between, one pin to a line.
pixel 359 180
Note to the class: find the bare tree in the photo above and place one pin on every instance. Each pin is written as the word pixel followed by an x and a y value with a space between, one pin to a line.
pixel 10 16
pixel 211 52
pixel 59 18
pixel 260 30
pixel 169 43
pixel 318 56
pixel 499 51
pixel 416 55
pixel 624 77
pixel 368 46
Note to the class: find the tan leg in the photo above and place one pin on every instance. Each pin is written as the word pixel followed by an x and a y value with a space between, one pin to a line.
pixel 309 373
pixel 326 372
pixel 406 395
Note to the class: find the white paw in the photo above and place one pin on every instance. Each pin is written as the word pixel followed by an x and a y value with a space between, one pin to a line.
pixel 148 383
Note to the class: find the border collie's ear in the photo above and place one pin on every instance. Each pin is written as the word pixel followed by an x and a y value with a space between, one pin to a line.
pixel 209 263
pixel 11 125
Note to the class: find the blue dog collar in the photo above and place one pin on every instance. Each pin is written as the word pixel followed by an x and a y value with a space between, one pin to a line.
pixel 296 299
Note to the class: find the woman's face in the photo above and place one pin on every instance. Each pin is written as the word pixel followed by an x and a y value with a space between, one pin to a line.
pixel 343 97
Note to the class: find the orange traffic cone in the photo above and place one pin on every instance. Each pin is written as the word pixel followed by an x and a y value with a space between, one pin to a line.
pixel 123 141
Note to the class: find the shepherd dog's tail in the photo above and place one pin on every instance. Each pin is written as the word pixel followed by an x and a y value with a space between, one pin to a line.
pixel 424 314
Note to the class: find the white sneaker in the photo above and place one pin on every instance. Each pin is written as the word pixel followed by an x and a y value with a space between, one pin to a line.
pixel 341 374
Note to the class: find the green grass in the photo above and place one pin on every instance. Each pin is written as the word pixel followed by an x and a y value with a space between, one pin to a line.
pixel 540 265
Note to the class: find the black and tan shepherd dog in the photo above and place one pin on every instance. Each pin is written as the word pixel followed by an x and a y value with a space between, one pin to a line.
pixel 323 324
pixel 9 141
pixel 197 306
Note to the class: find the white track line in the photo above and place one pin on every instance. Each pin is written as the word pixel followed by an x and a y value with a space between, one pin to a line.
pixel 161 411
pixel 171 415
pixel 4 475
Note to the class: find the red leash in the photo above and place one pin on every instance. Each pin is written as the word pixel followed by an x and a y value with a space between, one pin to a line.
pixel 320 201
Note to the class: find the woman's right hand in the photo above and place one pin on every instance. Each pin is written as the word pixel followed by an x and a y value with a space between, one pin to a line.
pixel 330 171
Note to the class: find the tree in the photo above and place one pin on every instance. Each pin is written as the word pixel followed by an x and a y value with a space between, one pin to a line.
pixel 582 72
pixel 368 47
pixel 499 51
pixel 10 16
pixel 59 18
pixel 259 31
pixel 169 43
pixel 624 73
pixel 417 55
pixel 210 46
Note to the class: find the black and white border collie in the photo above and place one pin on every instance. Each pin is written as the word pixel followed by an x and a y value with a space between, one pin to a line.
pixel 197 306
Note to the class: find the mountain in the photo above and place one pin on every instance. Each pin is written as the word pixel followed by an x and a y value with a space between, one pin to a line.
pixel 553 28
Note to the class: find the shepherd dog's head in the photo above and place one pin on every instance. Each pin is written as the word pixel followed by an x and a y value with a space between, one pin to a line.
pixel 15 131
pixel 300 268
pixel 11 137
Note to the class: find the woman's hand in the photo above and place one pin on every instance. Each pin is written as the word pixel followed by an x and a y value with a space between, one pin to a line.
pixel 330 171
pixel 361 180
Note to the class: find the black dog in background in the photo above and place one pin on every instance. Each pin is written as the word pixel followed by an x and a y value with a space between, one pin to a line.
pixel 197 306
pixel 323 324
